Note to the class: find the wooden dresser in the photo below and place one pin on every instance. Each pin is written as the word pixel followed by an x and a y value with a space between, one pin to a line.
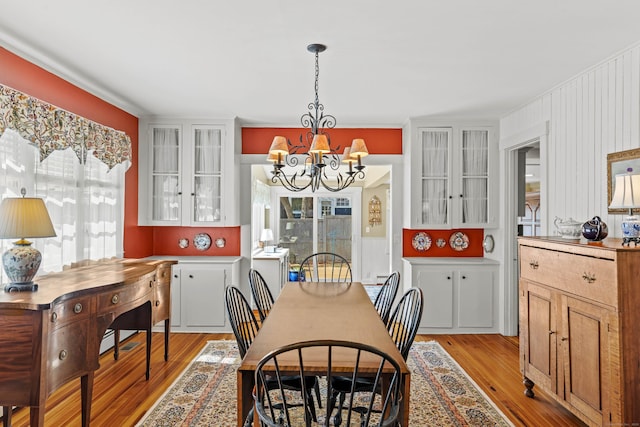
pixel 580 326
pixel 53 335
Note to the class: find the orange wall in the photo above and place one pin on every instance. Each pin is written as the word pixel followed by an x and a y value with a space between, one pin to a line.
pixel 475 248
pixel 378 140
pixel 26 77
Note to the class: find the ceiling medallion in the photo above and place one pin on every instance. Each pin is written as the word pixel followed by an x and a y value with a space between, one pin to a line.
pixel 320 154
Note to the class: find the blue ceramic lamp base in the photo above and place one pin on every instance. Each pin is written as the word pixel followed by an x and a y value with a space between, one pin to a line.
pixel 630 230
pixel 21 263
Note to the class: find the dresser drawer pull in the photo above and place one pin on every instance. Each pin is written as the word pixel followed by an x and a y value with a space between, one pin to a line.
pixel 115 299
pixel 54 317
pixel 157 303
pixel 77 309
pixel 552 332
pixel 63 355
pixel 533 265
pixel 589 278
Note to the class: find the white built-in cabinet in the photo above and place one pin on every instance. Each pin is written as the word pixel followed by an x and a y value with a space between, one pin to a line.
pixel 274 268
pixel 460 295
pixel 186 170
pixel 452 170
pixel 198 286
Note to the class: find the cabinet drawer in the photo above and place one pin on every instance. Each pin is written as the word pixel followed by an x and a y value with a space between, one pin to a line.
pixel 585 276
pixel 68 311
pixel 162 307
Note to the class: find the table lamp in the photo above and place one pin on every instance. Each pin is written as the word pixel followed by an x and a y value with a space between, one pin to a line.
pixel 266 236
pixel 626 195
pixel 23 217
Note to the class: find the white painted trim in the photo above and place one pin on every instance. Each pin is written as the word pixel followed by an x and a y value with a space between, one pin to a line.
pixel 511 310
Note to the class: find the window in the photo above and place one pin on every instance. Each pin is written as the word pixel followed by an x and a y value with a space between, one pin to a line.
pixel 85 202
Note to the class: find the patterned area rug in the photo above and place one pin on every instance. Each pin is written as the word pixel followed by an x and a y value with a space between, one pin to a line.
pixel 442 394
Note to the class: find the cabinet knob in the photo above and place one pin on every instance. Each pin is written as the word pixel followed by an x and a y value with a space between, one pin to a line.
pixel 193 194
pixel 448 277
pixel 589 277
pixel 151 283
pixel 179 193
pixel 464 277
pixel 54 317
pixel 63 355
pixel 157 303
pixel 191 276
pixel 115 299
pixel 461 196
pixel 175 276
pixel 77 309
pixel 533 265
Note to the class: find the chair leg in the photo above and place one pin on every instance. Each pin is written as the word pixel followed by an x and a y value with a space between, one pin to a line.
pixel 317 391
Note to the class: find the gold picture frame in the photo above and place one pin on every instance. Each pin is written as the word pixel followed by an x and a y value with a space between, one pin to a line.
pixel 618 163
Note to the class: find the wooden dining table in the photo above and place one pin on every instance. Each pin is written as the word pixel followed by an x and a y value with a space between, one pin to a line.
pixel 308 311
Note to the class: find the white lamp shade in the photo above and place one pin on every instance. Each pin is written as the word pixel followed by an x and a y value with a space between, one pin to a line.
pixel 266 235
pixel 626 193
pixel 24 217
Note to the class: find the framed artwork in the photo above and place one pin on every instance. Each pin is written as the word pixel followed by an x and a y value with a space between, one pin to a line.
pixel 618 163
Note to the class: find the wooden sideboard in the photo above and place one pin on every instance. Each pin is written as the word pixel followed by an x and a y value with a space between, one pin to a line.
pixel 579 317
pixel 52 336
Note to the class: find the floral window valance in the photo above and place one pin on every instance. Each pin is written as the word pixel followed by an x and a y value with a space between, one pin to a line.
pixel 51 128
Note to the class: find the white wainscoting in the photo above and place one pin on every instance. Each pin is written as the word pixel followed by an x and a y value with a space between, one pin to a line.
pixel 595 113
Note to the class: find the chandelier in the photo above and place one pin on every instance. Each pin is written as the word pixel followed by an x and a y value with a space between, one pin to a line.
pixel 312 172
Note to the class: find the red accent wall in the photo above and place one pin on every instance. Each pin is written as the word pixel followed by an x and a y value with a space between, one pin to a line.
pixel 378 140
pixel 475 249
pixel 166 241
pixel 26 77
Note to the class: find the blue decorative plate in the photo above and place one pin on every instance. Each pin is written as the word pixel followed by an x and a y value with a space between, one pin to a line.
pixel 202 241
pixel 421 241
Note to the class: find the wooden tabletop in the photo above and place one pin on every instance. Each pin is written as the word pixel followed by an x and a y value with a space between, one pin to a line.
pixel 321 311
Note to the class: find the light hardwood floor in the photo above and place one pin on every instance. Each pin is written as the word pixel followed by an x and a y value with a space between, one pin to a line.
pixel 121 395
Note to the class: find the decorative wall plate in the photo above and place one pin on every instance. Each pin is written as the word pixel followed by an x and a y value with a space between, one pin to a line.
pixel 459 241
pixel 421 241
pixel 441 243
pixel 202 241
pixel 488 243
pixel 183 243
pixel 220 242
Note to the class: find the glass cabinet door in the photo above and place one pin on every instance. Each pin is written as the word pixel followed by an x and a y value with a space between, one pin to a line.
pixel 475 176
pixel 435 175
pixel 207 174
pixel 165 174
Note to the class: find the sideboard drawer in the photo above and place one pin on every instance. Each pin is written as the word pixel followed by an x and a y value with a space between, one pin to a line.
pixel 67 354
pixel 70 310
pixel 584 276
pixel 115 299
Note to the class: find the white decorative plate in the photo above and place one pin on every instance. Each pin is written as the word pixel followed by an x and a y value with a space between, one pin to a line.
pixel 421 241
pixel 183 243
pixel 459 241
pixel 220 242
pixel 488 243
pixel 202 241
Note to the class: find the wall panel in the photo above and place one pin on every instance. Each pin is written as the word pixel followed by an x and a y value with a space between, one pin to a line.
pixel 589 116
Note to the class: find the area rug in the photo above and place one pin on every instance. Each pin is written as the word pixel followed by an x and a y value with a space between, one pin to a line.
pixel 442 394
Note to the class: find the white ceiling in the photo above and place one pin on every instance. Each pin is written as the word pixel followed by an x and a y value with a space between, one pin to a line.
pixel 386 60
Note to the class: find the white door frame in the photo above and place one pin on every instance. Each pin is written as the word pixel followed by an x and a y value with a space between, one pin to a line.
pixel 355 193
pixel 511 146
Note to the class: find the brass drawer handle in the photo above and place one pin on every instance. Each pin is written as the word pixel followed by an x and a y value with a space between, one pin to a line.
pixel 54 317
pixel 115 299
pixel 588 277
pixel 63 355
pixel 77 309
pixel 533 265
pixel 151 283
pixel 157 303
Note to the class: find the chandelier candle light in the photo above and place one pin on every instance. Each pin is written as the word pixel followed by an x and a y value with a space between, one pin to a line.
pixel 627 196
pixel 313 174
pixel 23 217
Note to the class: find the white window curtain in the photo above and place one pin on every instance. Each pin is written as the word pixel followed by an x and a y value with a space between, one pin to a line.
pixel 166 160
pixel 435 161
pixel 85 202
pixel 475 150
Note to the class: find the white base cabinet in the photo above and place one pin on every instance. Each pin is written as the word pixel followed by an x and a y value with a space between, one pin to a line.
pixel 274 269
pixel 198 286
pixel 460 296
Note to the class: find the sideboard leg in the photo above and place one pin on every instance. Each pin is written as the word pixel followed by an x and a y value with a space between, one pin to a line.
pixel 148 353
pixel 116 343
pixel 528 384
pixel 167 330
pixel 6 416
pixel 86 390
